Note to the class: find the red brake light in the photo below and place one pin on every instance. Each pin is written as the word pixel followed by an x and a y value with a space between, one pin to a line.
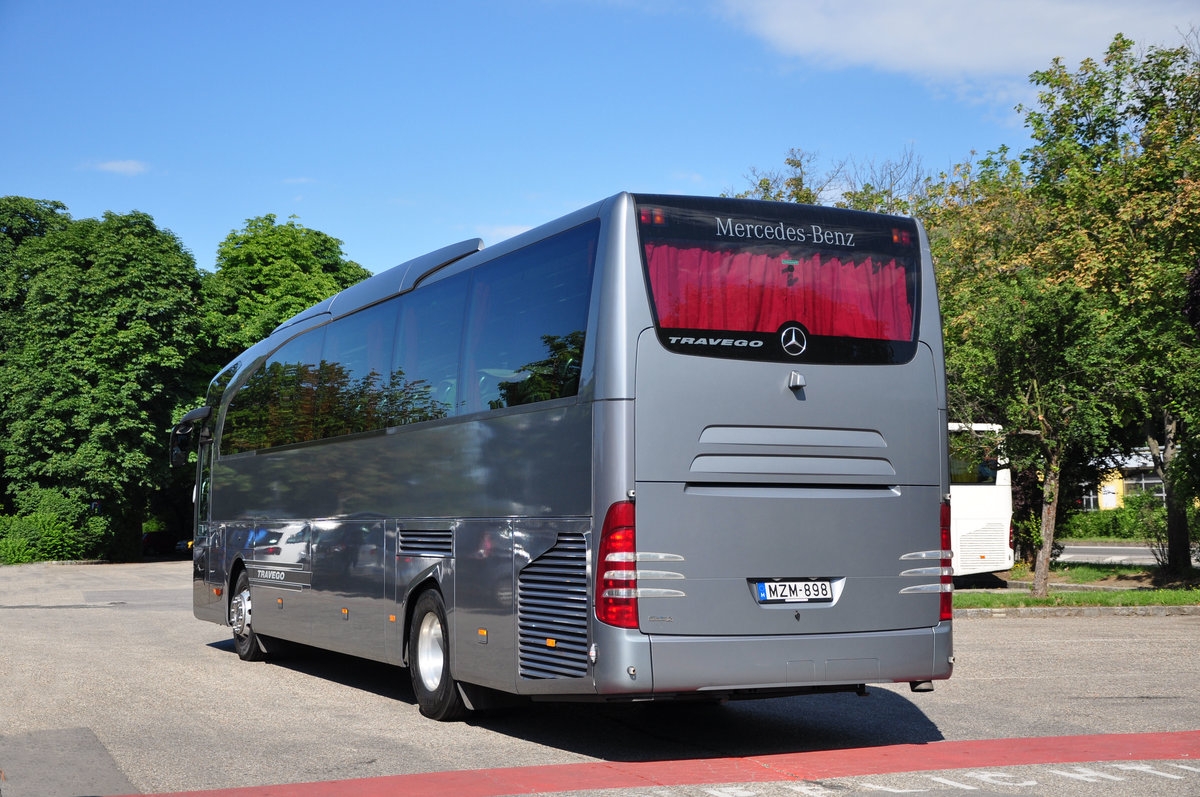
pixel 947 605
pixel 902 237
pixel 652 216
pixel 616 568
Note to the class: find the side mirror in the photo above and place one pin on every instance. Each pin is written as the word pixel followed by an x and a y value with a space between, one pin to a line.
pixel 181 434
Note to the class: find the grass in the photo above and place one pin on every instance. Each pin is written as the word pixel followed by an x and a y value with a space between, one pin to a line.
pixel 1136 586
pixel 1088 573
pixel 1134 597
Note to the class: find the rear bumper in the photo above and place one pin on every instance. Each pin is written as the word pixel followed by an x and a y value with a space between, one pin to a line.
pixel 690 664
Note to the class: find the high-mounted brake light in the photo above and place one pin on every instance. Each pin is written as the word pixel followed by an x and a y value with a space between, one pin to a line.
pixel 616 568
pixel 946 611
pixel 653 216
pixel 902 237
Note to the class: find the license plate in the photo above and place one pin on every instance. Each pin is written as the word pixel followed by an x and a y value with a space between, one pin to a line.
pixel 809 590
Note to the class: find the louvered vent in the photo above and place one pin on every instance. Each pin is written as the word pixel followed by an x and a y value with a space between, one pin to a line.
pixel 552 612
pixel 426 542
pixel 988 540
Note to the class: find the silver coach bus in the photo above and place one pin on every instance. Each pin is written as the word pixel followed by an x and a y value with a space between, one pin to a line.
pixel 663 447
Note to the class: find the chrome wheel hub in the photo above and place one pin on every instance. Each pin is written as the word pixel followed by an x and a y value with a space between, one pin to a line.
pixel 431 652
pixel 239 613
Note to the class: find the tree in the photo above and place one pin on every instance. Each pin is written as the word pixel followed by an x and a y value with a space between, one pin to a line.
pixel 799 181
pixel 105 321
pixel 1026 347
pixel 1117 153
pixel 893 185
pixel 266 273
pixel 21 219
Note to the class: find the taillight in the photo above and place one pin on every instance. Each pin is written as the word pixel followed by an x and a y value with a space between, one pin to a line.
pixel 654 216
pixel 616 568
pixel 947 580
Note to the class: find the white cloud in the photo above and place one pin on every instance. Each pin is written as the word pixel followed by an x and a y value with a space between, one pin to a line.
pixel 951 41
pixel 128 168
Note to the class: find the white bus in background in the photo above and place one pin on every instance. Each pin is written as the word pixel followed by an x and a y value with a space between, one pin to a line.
pixel 981 498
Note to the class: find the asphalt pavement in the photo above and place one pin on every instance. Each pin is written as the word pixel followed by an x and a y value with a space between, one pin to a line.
pixel 1130 554
pixel 109 686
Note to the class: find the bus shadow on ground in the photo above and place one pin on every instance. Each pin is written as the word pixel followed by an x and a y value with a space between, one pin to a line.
pixel 656 731
pixel 745 728
pixel 366 675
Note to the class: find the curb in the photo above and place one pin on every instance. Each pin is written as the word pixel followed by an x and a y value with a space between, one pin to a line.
pixel 1078 611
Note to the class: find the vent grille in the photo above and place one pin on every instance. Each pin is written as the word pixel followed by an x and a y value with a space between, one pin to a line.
pixel 988 540
pixel 552 612
pixel 427 542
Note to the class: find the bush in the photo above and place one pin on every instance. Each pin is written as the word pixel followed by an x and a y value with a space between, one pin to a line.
pixel 16 551
pixel 51 526
pixel 1141 518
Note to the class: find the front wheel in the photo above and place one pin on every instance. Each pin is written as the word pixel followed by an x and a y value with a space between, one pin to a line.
pixel 244 639
pixel 429 660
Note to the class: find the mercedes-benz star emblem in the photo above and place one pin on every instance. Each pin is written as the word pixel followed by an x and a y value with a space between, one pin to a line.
pixel 793 340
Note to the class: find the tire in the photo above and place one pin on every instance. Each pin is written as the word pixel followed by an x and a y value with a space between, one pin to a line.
pixel 429 660
pixel 244 639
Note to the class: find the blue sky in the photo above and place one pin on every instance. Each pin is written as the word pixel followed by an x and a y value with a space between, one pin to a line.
pixel 399 127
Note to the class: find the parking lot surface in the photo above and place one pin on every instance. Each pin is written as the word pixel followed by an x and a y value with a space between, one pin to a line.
pixel 108 685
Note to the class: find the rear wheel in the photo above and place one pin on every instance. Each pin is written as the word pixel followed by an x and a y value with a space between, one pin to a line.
pixel 429 660
pixel 244 639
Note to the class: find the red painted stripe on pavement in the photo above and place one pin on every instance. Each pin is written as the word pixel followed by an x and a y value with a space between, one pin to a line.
pixel 815 765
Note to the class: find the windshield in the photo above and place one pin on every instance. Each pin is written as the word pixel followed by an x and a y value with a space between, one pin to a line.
pixel 778 281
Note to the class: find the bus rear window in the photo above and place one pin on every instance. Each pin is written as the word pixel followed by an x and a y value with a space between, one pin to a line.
pixel 775 281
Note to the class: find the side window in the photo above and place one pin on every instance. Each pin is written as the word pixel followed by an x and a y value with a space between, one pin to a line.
pixel 424 383
pixel 277 404
pixel 526 326
pixel 355 367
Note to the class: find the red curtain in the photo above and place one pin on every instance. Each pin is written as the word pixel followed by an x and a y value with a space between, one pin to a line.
pixel 737 291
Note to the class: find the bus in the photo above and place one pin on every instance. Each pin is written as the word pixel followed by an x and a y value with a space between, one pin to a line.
pixel 661 448
pixel 981 532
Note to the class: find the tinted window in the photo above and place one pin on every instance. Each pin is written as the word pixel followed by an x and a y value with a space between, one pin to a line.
pixel 277 404
pixel 776 281
pixel 527 322
pixel 355 367
pixel 424 383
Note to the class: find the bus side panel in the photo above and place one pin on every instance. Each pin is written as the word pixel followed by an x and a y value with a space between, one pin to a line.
pixel 527 462
pixel 352 561
pixel 208 582
pixel 483 635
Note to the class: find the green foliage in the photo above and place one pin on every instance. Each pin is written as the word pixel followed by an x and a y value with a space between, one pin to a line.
pixel 52 525
pixel 266 273
pixel 104 327
pixel 1117 155
pixel 153 525
pixel 36 537
pixel 1141 518
pixel 797 182
pixel 557 375
pixel 1132 598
